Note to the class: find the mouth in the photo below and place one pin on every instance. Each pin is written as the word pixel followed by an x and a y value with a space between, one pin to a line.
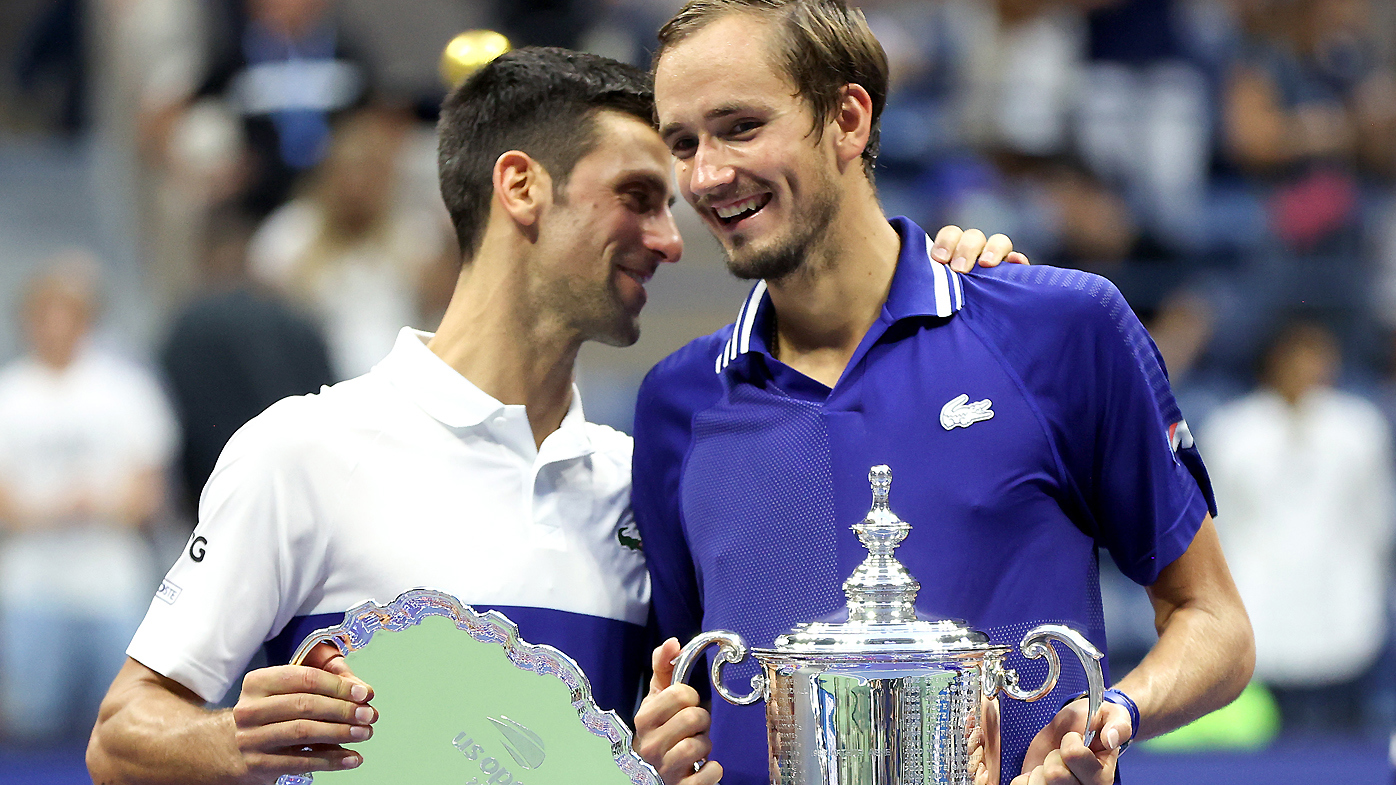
pixel 640 277
pixel 740 210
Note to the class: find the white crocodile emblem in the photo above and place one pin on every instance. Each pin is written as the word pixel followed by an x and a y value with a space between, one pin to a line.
pixel 959 413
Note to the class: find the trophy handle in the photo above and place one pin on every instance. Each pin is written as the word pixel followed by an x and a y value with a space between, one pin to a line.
pixel 1035 645
pixel 733 649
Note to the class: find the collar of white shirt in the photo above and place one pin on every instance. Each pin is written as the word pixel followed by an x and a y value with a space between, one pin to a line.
pixel 450 398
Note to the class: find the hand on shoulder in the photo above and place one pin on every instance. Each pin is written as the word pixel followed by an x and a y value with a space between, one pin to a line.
pixel 962 249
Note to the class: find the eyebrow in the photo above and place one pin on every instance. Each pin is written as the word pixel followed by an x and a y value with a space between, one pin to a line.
pixel 716 113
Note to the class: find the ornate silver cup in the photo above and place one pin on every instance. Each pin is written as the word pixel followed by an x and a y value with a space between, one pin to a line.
pixel 886 698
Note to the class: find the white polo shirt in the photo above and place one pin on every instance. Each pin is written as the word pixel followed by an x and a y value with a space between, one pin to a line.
pixel 407 477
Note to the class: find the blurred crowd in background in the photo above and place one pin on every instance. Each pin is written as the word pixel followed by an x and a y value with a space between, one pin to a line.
pixel 261 174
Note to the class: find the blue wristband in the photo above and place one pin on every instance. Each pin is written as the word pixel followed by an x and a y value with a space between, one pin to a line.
pixel 1121 699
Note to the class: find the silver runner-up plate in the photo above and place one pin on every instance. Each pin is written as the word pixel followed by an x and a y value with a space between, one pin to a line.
pixel 480 708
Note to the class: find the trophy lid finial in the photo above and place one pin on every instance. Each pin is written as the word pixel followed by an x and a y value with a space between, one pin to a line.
pixel 880 477
pixel 881 590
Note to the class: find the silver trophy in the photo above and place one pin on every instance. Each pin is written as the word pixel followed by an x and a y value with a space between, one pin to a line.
pixel 886 698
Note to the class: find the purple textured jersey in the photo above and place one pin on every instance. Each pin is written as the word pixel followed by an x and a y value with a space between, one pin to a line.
pixel 1027 419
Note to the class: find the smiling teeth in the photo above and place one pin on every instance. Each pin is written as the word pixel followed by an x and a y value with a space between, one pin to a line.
pixel 739 207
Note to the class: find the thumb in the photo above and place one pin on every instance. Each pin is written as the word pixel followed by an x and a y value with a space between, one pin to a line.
pixel 663 664
pixel 1115 728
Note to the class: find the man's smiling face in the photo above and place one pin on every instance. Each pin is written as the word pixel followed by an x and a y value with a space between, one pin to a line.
pixel 746 155
pixel 610 231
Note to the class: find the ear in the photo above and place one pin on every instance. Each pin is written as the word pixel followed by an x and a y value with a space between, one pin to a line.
pixel 851 126
pixel 522 187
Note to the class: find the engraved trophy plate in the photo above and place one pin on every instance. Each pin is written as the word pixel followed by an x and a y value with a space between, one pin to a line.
pixel 887 698
pixel 462 699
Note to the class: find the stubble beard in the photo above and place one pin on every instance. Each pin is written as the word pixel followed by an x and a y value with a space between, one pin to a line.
pixel 787 254
pixel 605 319
pixel 593 310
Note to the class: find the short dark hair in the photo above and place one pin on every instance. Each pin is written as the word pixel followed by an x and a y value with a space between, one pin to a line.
pixel 822 46
pixel 541 101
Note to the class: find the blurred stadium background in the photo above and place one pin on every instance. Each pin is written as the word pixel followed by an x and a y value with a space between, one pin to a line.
pixel 260 174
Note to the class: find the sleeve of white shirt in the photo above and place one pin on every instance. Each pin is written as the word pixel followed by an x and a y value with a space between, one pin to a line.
pixel 255 557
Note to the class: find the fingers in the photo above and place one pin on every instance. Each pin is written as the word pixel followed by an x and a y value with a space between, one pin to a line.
pixel 308 759
pixel 668 718
pixel 327 657
pixel 1084 765
pixel 1112 724
pixel 710 774
pixel 1114 731
pixel 967 251
pixel 1072 764
pixel 294 734
pixel 662 665
pixel 994 250
pixel 283 708
pixel 942 250
pixel 671 734
pixel 962 249
pixel 295 706
pixel 677 764
pixel 288 679
pixel 1053 772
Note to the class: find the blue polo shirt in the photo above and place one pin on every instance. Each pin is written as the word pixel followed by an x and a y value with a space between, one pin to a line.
pixel 1028 422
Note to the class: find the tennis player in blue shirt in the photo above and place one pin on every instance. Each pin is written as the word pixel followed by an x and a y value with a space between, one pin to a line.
pixel 854 349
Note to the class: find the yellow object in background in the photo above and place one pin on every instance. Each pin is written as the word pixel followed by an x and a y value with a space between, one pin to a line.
pixel 468 52
pixel 1250 722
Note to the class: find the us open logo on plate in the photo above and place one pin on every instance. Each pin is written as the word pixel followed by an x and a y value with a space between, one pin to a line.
pixel 522 744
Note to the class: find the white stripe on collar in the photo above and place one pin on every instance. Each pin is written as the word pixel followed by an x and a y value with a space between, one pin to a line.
pixel 949 298
pixel 740 341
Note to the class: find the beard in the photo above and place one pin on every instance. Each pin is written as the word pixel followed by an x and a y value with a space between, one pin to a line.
pixel 787 254
pixel 594 309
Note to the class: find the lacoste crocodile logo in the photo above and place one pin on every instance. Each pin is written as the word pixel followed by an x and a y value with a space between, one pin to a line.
pixel 959 413
pixel 628 534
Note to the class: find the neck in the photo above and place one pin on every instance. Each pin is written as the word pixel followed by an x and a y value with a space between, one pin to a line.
pixel 491 335
pixel 824 309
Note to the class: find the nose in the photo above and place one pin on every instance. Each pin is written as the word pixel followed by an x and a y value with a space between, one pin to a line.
pixel 663 237
pixel 709 169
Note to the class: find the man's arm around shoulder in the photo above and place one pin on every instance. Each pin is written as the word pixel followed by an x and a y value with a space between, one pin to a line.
pixel 289 719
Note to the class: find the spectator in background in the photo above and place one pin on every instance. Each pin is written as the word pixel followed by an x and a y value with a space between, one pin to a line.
pixel 1142 121
pixel 1309 107
pixel 287 73
pixel 84 442
pixel 233 352
pixel 1304 473
pixel 349 251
